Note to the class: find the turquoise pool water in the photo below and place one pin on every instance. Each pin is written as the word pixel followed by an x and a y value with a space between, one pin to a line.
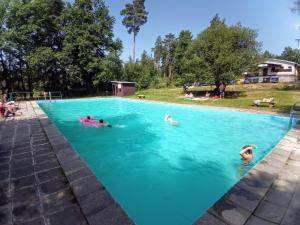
pixel 162 174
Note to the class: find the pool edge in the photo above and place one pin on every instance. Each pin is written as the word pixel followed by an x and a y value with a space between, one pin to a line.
pixel 226 108
pixel 82 180
pixel 242 203
pixel 238 210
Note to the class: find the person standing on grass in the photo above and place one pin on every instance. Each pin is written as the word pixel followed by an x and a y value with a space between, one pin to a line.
pixel 222 88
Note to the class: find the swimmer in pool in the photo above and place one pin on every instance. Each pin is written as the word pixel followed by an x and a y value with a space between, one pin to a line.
pixel 247 153
pixel 88 119
pixel 169 119
pixel 104 124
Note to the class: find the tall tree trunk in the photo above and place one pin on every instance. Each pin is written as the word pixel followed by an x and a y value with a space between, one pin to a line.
pixel 64 83
pixel 170 72
pixel 29 81
pixel 22 82
pixel 134 37
pixel 5 73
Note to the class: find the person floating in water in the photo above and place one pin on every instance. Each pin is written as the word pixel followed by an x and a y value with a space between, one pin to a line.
pixel 247 153
pixel 88 119
pixel 169 119
pixel 104 124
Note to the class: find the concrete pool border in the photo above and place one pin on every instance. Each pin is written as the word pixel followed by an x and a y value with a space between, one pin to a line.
pixel 253 110
pixel 268 194
pixel 245 203
pixel 96 204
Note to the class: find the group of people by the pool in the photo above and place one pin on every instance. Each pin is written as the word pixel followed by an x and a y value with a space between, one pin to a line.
pixel 246 153
pixel 90 121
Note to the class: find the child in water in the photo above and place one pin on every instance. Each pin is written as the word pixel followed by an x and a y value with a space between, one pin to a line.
pixel 170 120
pixel 247 152
pixel 104 124
pixel 88 119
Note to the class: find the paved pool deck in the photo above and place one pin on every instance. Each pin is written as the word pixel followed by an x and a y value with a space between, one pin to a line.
pixel 268 195
pixel 43 181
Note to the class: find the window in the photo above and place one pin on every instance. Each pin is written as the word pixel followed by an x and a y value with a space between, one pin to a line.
pixel 285 70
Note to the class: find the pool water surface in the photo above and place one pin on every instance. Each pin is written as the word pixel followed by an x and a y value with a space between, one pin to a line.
pixel 159 173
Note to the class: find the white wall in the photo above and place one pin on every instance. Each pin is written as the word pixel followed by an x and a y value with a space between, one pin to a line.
pixel 287 78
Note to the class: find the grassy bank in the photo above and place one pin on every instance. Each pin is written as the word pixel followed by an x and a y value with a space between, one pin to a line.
pixel 237 96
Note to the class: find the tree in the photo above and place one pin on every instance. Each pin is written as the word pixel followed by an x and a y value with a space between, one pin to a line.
pixel 32 33
pixel 112 69
pixel 168 55
pixel 226 52
pixel 135 16
pixel 182 53
pixel 50 45
pixel 89 38
pixel 296 6
pixel 267 55
pixel 290 54
pixel 171 53
pixel 4 72
pixel 149 71
pixel 158 52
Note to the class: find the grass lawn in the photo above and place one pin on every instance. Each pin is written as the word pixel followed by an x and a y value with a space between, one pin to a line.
pixel 237 96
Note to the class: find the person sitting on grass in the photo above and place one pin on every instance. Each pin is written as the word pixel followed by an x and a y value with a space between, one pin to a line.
pixel 7 109
pixel 169 119
pixel 104 124
pixel 190 95
pixel 247 152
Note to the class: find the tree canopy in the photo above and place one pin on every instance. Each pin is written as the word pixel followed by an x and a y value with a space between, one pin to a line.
pixel 290 54
pixel 225 52
pixel 50 45
pixel 220 52
pixel 70 47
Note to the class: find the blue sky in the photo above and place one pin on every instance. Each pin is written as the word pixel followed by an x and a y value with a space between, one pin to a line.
pixel 277 26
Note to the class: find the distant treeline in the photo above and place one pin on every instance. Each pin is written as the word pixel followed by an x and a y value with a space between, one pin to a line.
pixel 53 45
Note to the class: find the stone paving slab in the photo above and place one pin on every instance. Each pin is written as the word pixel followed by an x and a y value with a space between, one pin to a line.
pixel 43 181
pixel 268 195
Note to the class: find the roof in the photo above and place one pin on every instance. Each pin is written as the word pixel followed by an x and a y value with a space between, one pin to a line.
pixel 122 82
pixel 279 62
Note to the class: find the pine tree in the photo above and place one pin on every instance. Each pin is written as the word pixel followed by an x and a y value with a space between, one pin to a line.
pixel 135 16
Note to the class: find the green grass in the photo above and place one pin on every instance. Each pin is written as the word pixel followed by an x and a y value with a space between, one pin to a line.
pixel 237 96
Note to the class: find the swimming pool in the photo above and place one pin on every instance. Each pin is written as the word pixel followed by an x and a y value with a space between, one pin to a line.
pixel 163 174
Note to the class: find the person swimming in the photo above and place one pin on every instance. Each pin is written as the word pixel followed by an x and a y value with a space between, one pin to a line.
pixel 104 124
pixel 169 119
pixel 247 153
pixel 88 119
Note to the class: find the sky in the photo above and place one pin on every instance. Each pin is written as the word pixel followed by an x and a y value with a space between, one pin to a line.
pixel 276 25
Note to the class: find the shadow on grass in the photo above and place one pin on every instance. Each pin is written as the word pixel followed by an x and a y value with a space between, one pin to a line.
pixel 228 94
pixel 284 108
